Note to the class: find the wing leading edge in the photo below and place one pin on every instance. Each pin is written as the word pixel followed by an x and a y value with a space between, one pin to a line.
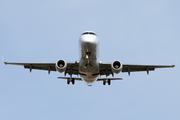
pixel 72 67
pixel 105 68
pixel 39 66
pixel 136 68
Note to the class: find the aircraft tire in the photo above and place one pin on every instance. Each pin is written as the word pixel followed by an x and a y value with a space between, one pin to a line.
pixel 109 82
pixel 73 81
pixel 104 82
pixel 68 81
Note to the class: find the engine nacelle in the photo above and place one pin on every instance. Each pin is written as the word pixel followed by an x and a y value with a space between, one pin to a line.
pixel 116 66
pixel 61 65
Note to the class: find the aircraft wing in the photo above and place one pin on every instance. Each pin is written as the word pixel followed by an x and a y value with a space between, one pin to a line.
pixel 105 68
pixel 73 66
pixel 134 67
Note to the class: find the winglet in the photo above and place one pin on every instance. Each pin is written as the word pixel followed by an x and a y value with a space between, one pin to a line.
pixel 3 60
pixel 175 63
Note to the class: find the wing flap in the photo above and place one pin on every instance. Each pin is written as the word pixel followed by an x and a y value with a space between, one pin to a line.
pixel 105 68
pixel 134 68
pixel 72 67
pixel 33 65
pixel 40 67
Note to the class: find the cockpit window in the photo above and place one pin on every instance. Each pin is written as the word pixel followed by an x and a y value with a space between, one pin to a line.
pixel 91 33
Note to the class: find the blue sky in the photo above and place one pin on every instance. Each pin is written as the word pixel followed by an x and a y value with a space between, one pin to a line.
pixel 137 32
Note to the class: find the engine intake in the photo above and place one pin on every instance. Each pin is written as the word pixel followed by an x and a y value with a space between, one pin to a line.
pixel 116 66
pixel 61 65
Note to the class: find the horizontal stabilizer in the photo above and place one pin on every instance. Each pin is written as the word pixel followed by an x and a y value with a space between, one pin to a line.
pixel 79 79
pixel 101 79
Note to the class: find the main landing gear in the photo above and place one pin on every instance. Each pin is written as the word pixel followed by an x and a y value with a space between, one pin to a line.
pixel 107 81
pixel 70 80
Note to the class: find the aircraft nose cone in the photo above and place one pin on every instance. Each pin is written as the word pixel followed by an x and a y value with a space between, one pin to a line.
pixel 89 39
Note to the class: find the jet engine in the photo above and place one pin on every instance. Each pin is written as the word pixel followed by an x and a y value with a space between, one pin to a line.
pixel 116 66
pixel 61 65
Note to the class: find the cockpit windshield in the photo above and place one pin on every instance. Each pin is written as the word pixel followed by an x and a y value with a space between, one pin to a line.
pixel 91 33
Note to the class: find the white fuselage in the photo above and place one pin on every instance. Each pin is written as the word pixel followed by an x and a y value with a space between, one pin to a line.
pixel 88 65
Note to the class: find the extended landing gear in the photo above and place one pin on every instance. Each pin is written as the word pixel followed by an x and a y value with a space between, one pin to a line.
pixel 68 81
pixel 107 81
pixel 71 80
pixel 87 58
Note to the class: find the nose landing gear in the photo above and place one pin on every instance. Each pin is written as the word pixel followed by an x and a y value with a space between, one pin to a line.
pixel 87 58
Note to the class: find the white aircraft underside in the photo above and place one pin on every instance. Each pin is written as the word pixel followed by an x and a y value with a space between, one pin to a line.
pixel 88 67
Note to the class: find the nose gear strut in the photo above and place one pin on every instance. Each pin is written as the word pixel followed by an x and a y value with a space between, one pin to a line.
pixel 87 58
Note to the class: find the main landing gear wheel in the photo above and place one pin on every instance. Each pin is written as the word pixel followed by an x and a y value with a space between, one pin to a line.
pixel 107 81
pixel 68 81
pixel 73 81
pixel 104 82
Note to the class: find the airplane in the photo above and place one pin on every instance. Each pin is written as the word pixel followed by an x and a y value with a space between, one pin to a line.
pixel 88 67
